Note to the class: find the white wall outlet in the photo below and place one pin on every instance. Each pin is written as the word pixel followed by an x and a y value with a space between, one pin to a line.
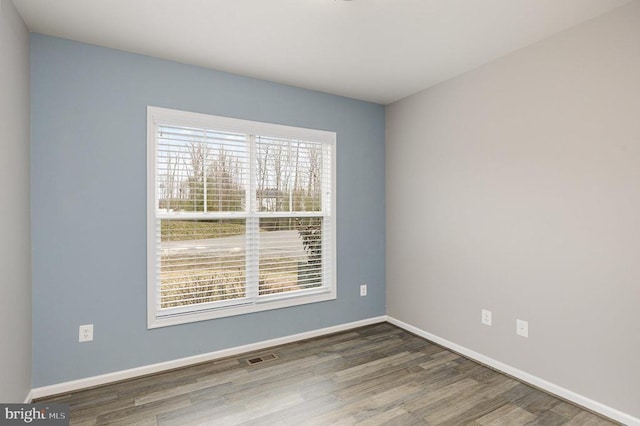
pixel 86 333
pixel 363 290
pixel 522 328
pixel 486 317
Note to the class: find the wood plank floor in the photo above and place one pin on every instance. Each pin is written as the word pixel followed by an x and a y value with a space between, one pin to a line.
pixel 372 375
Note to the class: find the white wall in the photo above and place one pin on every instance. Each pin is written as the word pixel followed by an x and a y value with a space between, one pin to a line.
pixel 15 249
pixel 516 188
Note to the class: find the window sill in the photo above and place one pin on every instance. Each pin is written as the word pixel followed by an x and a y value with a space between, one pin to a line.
pixel 259 306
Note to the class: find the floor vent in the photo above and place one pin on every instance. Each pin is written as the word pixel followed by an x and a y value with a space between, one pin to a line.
pixel 263 358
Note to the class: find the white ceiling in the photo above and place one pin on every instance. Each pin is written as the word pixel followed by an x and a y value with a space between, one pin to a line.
pixel 374 50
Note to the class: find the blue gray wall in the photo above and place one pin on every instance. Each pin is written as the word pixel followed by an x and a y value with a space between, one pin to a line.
pixel 15 250
pixel 88 160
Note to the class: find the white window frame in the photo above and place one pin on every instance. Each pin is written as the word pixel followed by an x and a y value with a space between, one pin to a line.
pixel 328 291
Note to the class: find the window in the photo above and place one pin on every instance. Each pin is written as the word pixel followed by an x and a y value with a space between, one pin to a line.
pixel 241 216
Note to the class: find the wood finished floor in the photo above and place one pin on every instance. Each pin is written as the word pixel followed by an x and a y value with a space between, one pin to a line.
pixel 372 375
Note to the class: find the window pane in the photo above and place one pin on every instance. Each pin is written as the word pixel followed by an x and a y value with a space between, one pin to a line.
pixel 290 254
pixel 241 216
pixel 289 175
pixel 201 261
pixel 187 158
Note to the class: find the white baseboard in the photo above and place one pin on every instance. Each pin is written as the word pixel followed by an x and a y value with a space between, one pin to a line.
pixel 29 397
pixel 102 379
pixel 583 401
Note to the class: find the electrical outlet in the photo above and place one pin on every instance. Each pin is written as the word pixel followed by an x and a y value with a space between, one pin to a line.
pixel 486 317
pixel 85 333
pixel 363 290
pixel 522 328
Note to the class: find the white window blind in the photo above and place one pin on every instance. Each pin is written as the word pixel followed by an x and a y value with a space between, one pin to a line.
pixel 241 216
